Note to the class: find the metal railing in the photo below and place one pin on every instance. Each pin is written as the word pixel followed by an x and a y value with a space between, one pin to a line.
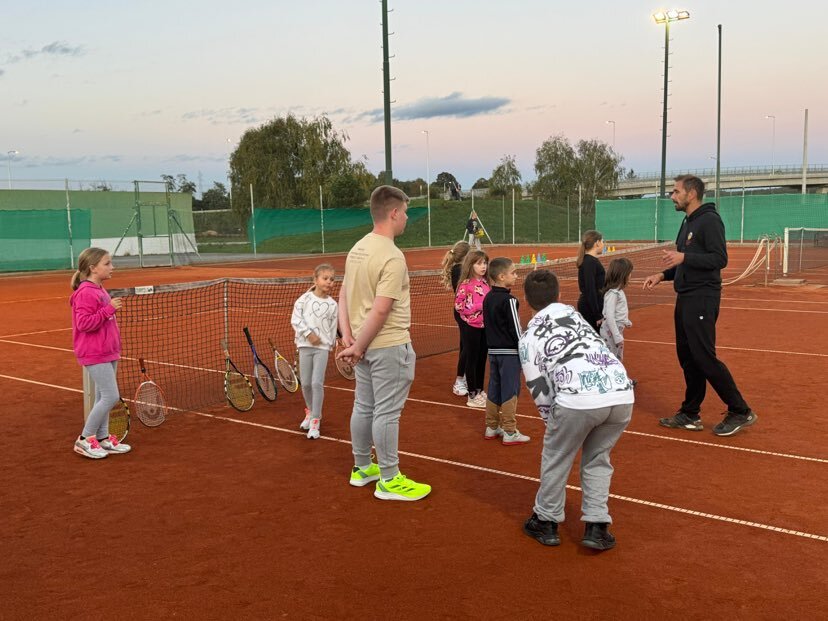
pixel 737 171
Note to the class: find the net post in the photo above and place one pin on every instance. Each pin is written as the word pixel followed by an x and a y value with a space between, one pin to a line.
pixel 322 219
pixel 253 219
pixel 170 245
pixel 785 249
pixel 69 224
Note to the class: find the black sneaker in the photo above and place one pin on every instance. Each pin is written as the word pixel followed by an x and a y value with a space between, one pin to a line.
pixel 545 531
pixel 681 420
pixel 734 422
pixel 597 536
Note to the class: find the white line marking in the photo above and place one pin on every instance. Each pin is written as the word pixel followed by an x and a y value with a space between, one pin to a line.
pixel 751 349
pixel 11 336
pixel 523 477
pixel 537 418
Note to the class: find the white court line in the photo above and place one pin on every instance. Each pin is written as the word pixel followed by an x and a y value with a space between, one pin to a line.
pixel 774 310
pixel 751 349
pixel 465 407
pixel 12 336
pixel 63 297
pixel 537 418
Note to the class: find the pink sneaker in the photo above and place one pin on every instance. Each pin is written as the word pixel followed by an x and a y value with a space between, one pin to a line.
pixel 305 424
pixel 89 448
pixel 313 432
pixel 112 445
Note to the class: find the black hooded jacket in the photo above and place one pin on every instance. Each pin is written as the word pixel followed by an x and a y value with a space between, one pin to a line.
pixel 702 240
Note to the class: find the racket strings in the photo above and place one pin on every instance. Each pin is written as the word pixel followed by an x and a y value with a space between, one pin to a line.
pixel 150 405
pixel 266 383
pixel 238 391
pixel 286 375
pixel 119 420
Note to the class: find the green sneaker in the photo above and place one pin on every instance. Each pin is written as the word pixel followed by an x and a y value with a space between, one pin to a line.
pixel 361 477
pixel 401 488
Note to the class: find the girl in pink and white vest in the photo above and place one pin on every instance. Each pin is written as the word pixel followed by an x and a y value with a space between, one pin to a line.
pixel 473 287
pixel 97 344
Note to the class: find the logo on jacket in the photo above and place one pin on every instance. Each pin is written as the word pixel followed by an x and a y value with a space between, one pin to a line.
pixel 690 237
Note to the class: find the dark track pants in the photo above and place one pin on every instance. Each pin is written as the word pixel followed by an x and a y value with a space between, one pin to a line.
pixel 695 319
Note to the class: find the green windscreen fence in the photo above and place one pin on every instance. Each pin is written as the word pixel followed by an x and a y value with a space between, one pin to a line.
pixel 40 239
pixel 272 223
pixel 746 218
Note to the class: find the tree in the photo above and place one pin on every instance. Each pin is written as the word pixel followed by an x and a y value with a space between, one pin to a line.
pixel 505 178
pixel 480 184
pixel 561 169
pixel 216 197
pixel 286 160
pixel 445 177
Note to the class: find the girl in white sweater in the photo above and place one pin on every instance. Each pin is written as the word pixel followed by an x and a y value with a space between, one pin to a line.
pixel 314 321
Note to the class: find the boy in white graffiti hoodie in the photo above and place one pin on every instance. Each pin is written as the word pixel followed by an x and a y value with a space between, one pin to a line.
pixel 584 394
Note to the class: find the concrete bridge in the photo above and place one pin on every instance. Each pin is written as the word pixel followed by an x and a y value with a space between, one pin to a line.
pixel 787 177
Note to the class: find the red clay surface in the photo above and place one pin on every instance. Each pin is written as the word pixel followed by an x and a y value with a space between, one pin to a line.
pixel 218 515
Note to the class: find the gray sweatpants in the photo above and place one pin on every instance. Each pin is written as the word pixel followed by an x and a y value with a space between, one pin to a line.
pixel 568 430
pixel 383 379
pixel 106 396
pixel 312 365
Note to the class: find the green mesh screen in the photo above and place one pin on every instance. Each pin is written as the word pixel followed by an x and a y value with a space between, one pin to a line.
pixel 39 239
pixel 745 218
pixel 283 222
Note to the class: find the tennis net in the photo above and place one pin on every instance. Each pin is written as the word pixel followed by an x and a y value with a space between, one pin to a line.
pixel 177 329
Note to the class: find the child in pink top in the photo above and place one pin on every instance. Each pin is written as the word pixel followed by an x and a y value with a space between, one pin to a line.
pixel 97 344
pixel 473 287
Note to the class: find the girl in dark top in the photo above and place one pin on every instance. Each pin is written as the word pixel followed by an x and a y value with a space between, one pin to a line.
pixel 450 278
pixel 591 278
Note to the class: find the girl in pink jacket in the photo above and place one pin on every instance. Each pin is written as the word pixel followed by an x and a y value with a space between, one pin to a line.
pixel 97 344
pixel 473 287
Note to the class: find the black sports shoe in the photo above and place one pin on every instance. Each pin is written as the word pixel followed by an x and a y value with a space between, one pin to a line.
pixel 597 536
pixel 734 422
pixel 545 531
pixel 681 420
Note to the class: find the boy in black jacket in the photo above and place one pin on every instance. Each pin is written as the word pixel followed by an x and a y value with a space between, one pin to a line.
pixel 502 325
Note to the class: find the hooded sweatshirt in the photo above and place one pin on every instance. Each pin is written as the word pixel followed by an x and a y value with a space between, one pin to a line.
pixel 95 335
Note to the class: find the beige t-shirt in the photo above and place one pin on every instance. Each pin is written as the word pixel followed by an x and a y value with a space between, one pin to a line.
pixel 375 266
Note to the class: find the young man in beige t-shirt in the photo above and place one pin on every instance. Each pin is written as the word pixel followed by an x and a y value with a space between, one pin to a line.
pixel 374 318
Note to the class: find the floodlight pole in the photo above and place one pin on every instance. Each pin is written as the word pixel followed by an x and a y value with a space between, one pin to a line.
pixel 386 93
pixel 428 187
pixel 664 111
pixel 773 142
pixel 719 125
pixel 10 155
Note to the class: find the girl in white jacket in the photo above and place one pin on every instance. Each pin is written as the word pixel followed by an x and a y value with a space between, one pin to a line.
pixel 314 322
pixel 616 311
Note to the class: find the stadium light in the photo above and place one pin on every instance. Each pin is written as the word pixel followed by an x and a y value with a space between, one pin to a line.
pixel 665 17
pixel 428 188
pixel 10 155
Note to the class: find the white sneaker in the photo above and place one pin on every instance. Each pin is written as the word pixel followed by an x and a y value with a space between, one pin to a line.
pixel 112 445
pixel 477 401
pixel 313 432
pixel 89 448
pixel 460 389
pixel 510 439
pixel 305 424
pixel 492 434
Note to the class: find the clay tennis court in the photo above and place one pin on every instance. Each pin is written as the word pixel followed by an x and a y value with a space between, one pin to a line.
pixel 218 514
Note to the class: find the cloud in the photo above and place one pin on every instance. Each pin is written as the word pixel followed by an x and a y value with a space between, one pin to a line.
pixel 228 115
pixel 58 161
pixel 2 72
pixel 453 105
pixel 55 48
pixel 185 157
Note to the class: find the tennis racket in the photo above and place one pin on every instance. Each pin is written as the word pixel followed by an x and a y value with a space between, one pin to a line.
pixel 285 372
pixel 264 378
pixel 345 368
pixel 237 389
pixel 119 420
pixel 150 404
pixel 296 367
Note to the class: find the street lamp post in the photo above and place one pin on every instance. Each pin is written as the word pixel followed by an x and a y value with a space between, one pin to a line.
pixel 773 141
pixel 229 172
pixel 10 155
pixel 613 133
pixel 665 18
pixel 428 187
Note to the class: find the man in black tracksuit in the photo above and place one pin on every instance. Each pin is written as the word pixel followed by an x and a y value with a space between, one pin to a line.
pixel 695 269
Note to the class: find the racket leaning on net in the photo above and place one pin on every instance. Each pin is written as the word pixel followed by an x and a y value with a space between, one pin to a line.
pixel 285 372
pixel 296 367
pixel 264 378
pixel 150 404
pixel 345 368
pixel 119 420
pixel 237 388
